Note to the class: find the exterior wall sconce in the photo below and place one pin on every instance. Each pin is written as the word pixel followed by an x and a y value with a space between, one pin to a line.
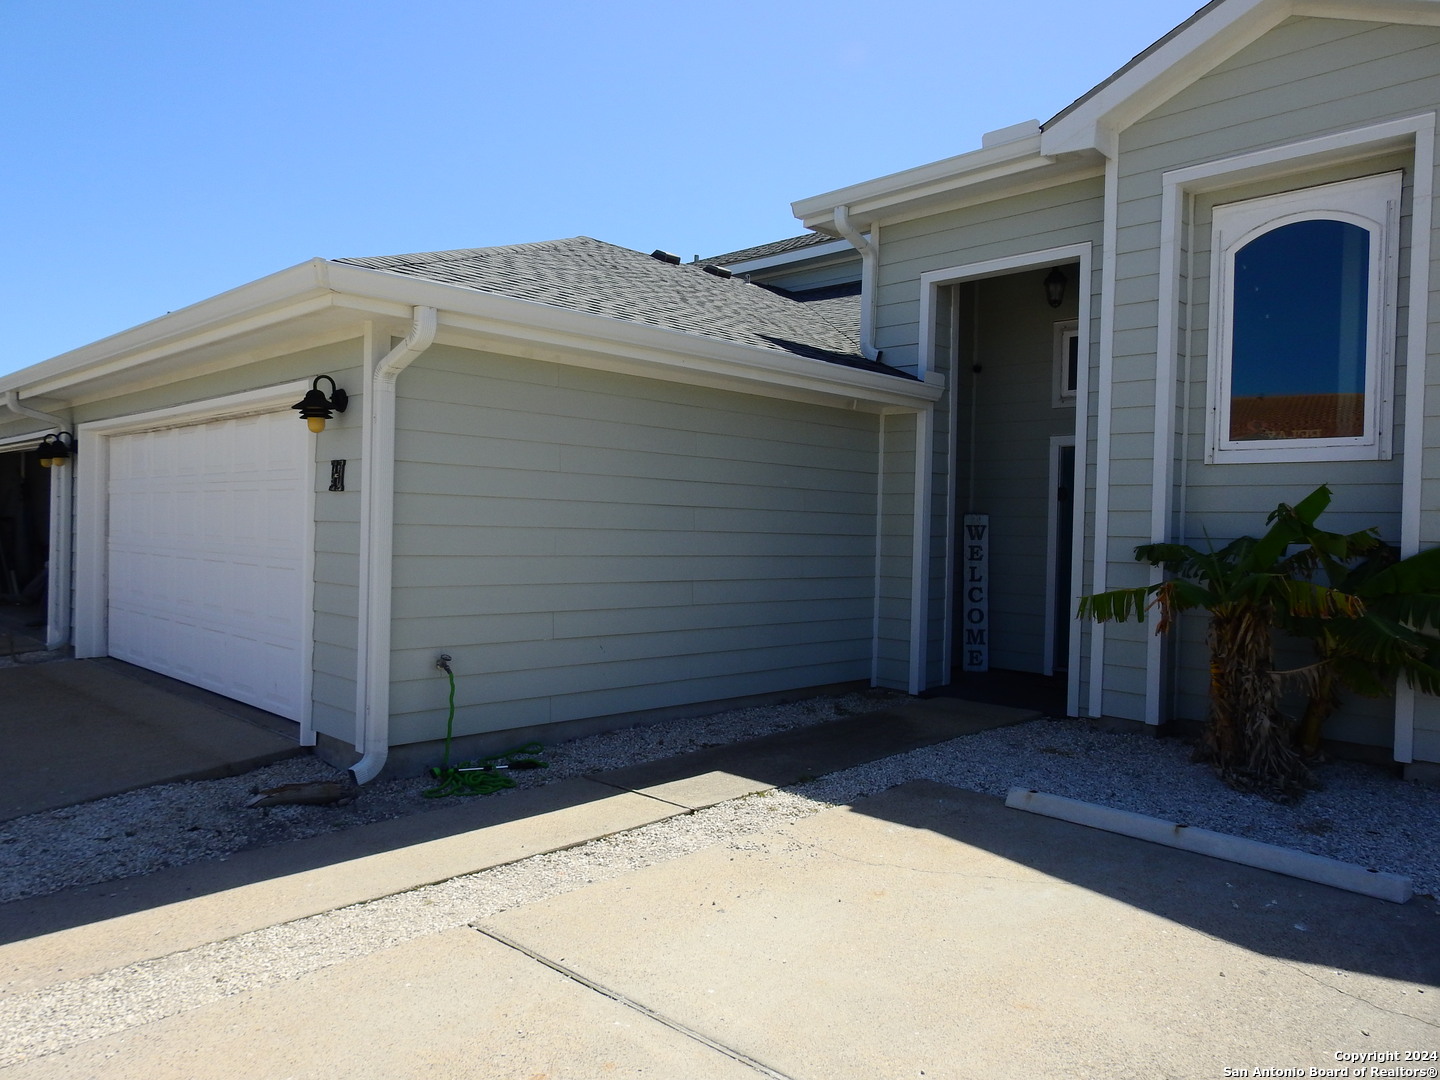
pixel 56 449
pixel 1055 283
pixel 315 408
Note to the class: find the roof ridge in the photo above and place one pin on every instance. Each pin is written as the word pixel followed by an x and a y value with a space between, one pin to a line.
pixel 460 254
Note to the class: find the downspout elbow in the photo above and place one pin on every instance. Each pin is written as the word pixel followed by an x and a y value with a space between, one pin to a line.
pixel 11 400
pixel 868 262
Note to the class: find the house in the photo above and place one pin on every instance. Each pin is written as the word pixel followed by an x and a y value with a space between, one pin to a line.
pixel 603 482
pixel 610 484
pixel 1201 289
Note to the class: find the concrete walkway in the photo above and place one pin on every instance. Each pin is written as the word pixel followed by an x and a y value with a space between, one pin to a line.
pixel 925 931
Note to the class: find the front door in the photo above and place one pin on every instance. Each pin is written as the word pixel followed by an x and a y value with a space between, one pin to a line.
pixel 1062 532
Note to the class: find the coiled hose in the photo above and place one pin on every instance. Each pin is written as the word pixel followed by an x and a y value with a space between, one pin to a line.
pixel 483 776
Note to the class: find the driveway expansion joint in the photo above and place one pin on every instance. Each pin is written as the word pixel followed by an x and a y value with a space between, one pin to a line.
pixel 630 1003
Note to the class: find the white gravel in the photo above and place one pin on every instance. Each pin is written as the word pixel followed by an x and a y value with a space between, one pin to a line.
pixel 1364 814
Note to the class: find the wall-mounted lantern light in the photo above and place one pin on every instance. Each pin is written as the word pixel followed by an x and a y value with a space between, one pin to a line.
pixel 1055 283
pixel 315 408
pixel 56 449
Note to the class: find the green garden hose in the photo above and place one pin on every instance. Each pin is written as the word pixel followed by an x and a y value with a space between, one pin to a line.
pixel 482 776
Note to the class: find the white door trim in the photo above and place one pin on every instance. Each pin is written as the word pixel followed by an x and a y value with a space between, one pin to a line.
pixel 930 285
pixel 92 517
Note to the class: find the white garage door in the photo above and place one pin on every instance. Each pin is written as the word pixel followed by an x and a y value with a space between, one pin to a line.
pixel 208 556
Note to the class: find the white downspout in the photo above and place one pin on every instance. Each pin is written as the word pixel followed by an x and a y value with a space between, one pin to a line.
pixel 868 260
pixel 62 485
pixel 377 535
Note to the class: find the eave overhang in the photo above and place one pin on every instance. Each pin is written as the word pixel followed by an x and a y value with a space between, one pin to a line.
pixel 318 302
pixel 991 172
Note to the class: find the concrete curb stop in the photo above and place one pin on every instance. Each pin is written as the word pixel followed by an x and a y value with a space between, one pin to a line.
pixel 1298 864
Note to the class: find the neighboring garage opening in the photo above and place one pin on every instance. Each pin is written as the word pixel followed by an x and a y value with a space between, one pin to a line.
pixel 24 549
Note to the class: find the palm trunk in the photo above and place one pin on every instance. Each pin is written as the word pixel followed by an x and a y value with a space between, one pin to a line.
pixel 1247 739
pixel 1323 699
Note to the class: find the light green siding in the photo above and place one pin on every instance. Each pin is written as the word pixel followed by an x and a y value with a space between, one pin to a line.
pixel 1053 217
pixel 1306 78
pixel 895 552
pixel 587 544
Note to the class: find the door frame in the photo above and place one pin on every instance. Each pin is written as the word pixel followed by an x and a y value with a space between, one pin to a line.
pixel 92 520
pixel 931 283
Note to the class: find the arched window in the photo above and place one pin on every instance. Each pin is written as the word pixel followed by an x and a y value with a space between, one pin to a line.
pixel 1305 287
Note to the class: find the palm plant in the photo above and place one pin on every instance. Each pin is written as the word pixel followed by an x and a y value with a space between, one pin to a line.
pixel 1393 639
pixel 1249 587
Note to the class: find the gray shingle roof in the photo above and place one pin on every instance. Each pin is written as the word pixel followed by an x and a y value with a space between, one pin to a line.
pixel 776 247
pixel 588 275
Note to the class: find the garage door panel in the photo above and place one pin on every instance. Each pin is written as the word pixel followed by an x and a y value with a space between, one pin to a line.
pixel 207 561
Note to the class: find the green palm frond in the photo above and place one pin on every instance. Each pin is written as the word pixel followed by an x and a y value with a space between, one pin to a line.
pixel 1307 600
pixel 1117 605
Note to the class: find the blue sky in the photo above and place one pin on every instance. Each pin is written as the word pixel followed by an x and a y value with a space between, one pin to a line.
pixel 157 153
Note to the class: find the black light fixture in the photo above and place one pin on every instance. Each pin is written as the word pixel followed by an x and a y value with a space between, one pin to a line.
pixel 1055 283
pixel 315 408
pixel 56 449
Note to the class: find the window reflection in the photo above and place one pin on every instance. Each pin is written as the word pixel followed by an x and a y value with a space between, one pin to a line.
pixel 1299 331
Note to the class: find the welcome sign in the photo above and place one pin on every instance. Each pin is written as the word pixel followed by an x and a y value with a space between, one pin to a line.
pixel 975 580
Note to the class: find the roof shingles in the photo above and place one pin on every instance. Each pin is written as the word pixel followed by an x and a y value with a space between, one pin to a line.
pixel 602 279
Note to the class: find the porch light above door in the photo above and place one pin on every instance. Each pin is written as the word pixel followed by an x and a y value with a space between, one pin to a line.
pixel 56 449
pixel 1055 283
pixel 315 408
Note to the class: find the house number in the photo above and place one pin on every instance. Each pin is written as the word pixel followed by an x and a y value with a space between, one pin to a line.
pixel 337 475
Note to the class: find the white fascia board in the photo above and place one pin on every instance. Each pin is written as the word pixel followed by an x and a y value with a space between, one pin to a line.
pixel 1158 76
pixel 540 331
pixel 1405 12
pixel 274 298
pixel 867 199
pixel 770 262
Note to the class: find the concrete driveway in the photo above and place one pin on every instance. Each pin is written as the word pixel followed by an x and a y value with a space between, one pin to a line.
pixel 924 932
pixel 78 730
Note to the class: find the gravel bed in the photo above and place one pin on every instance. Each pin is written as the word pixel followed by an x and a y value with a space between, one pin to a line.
pixel 168 825
pixel 1363 814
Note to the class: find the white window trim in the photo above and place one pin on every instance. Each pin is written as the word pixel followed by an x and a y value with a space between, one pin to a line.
pixel 1372 203
pixel 1063 396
